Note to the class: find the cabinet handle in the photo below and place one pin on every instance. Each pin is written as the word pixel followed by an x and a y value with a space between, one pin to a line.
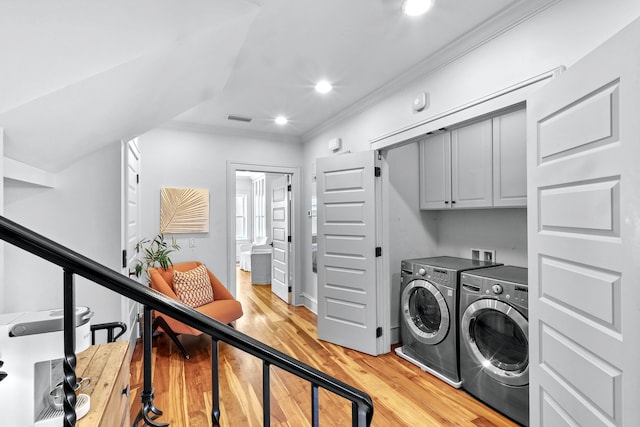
pixel 446 202
pixel 453 201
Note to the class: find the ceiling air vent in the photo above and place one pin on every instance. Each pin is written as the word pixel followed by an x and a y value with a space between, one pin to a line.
pixel 238 118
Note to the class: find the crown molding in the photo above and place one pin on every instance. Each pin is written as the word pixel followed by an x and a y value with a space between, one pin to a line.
pixel 228 131
pixel 516 14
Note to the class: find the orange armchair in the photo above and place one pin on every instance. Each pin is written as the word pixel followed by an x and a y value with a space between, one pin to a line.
pixel 225 308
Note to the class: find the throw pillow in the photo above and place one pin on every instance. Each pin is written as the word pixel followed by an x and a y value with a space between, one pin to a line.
pixel 193 287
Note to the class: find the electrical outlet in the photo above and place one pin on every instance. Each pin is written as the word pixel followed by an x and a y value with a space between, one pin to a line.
pixel 192 242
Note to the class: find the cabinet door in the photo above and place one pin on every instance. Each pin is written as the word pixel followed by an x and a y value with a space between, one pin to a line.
pixel 435 171
pixel 471 166
pixel 510 159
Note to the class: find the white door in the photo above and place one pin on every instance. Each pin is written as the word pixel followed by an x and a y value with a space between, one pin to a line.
pixel 584 240
pixel 280 235
pixel 346 257
pixel 131 224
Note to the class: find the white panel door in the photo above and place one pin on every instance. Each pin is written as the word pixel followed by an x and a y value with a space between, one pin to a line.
pixel 346 257
pixel 280 229
pixel 131 193
pixel 584 245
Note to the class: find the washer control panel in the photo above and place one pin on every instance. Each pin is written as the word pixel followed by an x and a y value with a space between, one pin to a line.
pixel 419 271
pixel 440 276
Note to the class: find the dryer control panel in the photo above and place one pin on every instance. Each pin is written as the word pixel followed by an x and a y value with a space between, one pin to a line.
pixel 513 293
pixel 505 291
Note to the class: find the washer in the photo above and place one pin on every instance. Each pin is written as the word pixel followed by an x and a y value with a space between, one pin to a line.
pixel 429 313
pixel 494 339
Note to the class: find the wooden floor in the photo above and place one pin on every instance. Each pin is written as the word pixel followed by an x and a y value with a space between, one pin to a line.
pixel 403 394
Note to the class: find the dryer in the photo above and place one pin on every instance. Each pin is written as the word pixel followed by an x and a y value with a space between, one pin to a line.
pixel 494 339
pixel 429 313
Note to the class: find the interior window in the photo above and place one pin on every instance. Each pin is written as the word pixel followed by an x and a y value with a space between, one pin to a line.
pixel 241 217
pixel 259 208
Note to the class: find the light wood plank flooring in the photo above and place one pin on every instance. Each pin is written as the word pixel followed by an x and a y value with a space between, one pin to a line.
pixel 403 394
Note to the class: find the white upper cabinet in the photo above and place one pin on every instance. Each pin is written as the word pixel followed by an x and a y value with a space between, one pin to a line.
pixel 510 159
pixel 471 174
pixel 435 170
pixel 479 165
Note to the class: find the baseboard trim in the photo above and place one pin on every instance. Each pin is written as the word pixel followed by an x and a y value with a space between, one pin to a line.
pixel 310 302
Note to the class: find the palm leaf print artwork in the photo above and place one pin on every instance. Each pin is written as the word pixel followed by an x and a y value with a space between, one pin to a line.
pixel 184 210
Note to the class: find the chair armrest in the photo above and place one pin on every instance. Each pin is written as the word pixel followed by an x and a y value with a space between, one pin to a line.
pixel 109 327
pixel 159 284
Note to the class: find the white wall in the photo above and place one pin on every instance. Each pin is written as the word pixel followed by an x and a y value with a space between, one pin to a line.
pixel 502 230
pixel 178 158
pixel 560 35
pixel 413 233
pixel 83 213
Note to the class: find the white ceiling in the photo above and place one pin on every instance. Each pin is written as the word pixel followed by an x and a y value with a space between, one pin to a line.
pixel 358 45
pixel 79 74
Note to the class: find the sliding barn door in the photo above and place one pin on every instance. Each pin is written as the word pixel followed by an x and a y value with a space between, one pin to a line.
pixel 584 240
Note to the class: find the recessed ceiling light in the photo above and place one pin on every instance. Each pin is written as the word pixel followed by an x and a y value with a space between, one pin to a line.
pixel 281 120
pixel 416 7
pixel 323 86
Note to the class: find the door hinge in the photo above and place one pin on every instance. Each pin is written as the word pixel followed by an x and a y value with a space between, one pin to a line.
pixel 289 187
pixel 378 331
pixel 124 258
pixel 378 251
pixel 137 178
pixel 289 239
pixel 377 172
pixel 290 288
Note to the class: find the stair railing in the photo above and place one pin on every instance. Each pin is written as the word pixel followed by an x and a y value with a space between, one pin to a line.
pixel 75 264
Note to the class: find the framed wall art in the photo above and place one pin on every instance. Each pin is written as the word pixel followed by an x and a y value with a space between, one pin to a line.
pixel 184 210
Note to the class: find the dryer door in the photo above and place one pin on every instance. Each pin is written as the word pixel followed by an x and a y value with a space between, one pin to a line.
pixel 496 336
pixel 425 311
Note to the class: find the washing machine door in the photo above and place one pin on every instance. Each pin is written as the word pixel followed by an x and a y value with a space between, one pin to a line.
pixel 496 337
pixel 425 312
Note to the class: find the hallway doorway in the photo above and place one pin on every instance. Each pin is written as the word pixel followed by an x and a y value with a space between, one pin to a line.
pixel 286 273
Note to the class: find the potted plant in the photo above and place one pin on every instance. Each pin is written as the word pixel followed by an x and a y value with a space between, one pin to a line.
pixel 155 253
